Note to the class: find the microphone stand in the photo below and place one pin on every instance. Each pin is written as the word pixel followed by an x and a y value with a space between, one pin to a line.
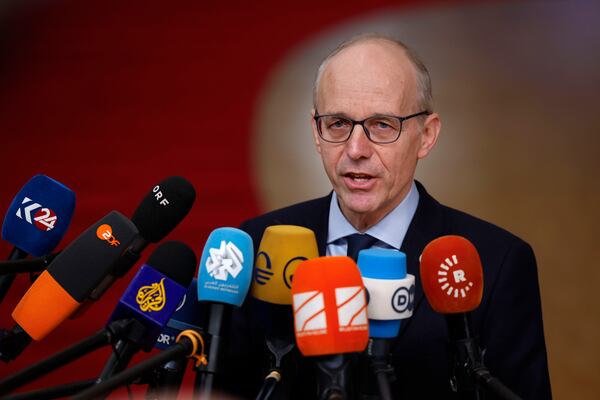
pixel 166 380
pixel 279 348
pixel 21 265
pixel 85 346
pixel 468 373
pixel 7 280
pixel 53 392
pixel 333 377
pixel 189 344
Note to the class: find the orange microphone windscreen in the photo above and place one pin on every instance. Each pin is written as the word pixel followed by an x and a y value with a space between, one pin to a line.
pixel 40 314
pixel 330 309
pixel 452 275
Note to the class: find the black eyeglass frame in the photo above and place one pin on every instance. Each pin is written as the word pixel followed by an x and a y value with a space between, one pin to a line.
pixel 362 123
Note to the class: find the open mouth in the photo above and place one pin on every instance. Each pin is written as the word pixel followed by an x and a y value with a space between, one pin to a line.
pixel 358 177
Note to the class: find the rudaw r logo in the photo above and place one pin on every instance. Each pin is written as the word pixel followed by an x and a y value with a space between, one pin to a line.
pixel 225 261
pixel 452 278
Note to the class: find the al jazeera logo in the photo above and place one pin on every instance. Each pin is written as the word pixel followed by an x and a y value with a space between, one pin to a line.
pixel 152 297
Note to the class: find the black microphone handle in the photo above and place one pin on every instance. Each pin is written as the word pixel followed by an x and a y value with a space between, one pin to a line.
pixel 53 392
pixel 269 384
pixel 334 378
pixel 19 266
pixel 217 328
pixel 181 349
pixel 7 280
pixel 123 352
pixel 494 385
pixel 465 354
pixel 83 347
pixel 378 352
pixel 166 380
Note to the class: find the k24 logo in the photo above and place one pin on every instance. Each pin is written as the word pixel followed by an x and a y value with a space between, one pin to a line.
pixel 34 213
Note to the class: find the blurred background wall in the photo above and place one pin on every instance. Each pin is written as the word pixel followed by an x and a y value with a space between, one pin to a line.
pixel 110 97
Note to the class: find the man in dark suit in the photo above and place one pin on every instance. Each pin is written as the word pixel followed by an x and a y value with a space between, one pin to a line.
pixel 373 120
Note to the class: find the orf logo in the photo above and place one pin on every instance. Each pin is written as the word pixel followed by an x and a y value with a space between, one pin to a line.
pixel 452 279
pixel 34 213
pixel 152 297
pixel 104 232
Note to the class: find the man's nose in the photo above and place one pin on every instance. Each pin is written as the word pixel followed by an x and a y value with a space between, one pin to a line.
pixel 358 145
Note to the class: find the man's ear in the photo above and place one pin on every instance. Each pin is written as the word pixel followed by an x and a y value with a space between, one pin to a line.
pixel 429 135
pixel 315 132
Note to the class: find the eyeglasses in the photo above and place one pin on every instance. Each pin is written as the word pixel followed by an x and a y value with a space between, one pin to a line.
pixel 380 129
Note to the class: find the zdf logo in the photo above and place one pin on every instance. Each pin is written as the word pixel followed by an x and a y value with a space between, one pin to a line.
pixel 104 232
pixel 34 213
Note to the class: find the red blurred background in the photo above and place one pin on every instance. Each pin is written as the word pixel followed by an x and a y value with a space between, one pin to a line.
pixel 110 97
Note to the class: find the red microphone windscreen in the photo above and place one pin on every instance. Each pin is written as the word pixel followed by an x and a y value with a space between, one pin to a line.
pixel 330 309
pixel 452 275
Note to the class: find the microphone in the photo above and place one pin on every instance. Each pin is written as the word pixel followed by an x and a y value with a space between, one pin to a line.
pixel 224 277
pixel 68 281
pixel 330 319
pixel 36 221
pixel 190 314
pixel 165 206
pixel 391 299
pixel 141 313
pixel 282 248
pixel 452 279
pixel 151 299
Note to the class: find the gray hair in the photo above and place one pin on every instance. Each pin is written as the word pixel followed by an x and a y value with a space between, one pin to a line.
pixel 423 80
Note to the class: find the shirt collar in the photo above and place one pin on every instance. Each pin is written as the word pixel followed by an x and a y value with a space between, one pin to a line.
pixel 390 230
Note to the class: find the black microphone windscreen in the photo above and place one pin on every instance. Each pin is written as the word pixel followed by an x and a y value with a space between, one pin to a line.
pixel 176 260
pixel 163 208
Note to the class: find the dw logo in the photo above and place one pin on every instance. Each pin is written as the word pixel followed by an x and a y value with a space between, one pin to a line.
pixel 309 313
pixel 44 219
pixel 352 308
pixel 404 299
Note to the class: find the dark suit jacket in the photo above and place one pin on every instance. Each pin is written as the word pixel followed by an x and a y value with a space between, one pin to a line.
pixel 508 321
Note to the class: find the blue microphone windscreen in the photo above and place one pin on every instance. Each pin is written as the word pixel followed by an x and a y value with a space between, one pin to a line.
pixel 382 263
pixel 39 215
pixel 225 268
pixel 189 314
pixel 382 271
pixel 151 298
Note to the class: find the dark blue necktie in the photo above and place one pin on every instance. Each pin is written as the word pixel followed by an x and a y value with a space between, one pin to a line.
pixel 358 242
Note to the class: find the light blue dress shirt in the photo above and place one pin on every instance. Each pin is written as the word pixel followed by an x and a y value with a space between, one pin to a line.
pixel 389 232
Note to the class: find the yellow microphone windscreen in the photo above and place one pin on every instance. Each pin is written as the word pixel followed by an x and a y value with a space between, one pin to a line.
pixel 281 249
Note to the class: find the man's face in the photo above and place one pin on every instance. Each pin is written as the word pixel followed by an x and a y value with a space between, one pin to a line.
pixel 371 179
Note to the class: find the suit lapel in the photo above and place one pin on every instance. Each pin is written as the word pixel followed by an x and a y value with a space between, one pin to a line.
pixel 426 225
pixel 319 223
